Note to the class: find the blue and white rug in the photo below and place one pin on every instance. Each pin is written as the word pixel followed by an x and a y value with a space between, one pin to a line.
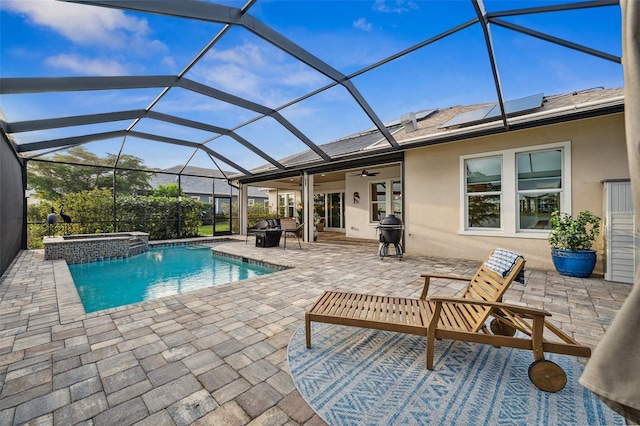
pixel 354 376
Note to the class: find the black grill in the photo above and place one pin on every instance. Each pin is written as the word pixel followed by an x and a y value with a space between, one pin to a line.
pixel 390 229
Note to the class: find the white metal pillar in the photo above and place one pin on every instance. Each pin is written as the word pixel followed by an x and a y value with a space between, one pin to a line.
pixel 243 209
pixel 307 197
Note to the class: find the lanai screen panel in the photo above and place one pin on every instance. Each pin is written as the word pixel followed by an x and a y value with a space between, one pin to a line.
pixel 280 63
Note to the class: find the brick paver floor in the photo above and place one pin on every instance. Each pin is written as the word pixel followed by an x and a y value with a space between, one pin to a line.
pixel 216 356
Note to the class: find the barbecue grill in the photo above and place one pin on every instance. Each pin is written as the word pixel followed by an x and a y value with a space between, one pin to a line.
pixel 390 229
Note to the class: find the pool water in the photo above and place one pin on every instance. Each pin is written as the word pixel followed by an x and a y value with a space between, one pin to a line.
pixel 157 273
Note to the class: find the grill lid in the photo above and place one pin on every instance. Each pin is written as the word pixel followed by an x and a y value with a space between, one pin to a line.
pixel 391 220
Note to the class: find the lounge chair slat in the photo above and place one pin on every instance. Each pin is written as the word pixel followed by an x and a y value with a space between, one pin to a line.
pixel 466 320
pixel 376 308
pixel 401 309
pixel 447 319
pixel 354 306
pixel 469 315
pixel 373 306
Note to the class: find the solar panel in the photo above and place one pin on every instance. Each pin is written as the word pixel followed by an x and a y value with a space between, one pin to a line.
pixel 422 114
pixel 518 105
pixel 493 111
pixel 469 116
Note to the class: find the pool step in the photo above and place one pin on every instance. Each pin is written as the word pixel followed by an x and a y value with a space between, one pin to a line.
pixel 137 246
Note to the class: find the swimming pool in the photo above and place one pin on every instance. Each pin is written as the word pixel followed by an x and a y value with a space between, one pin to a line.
pixel 157 273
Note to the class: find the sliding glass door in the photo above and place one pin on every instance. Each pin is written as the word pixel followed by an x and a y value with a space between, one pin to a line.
pixel 330 206
pixel 336 213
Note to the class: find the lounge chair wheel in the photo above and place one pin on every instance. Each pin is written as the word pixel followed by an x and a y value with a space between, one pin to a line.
pixel 501 329
pixel 547 375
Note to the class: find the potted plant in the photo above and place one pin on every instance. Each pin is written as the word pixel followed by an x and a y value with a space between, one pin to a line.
pixel 571 243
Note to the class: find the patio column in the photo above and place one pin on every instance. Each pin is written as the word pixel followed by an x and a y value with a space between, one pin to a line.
pixel 243 209
pixel 307 199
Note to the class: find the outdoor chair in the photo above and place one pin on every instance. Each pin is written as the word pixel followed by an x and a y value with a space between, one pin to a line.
pixel 464 318
pixel 291 233
pixel 263 224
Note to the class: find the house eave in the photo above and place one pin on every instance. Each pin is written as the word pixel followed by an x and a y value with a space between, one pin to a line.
pixel 387 155
pixel 497 128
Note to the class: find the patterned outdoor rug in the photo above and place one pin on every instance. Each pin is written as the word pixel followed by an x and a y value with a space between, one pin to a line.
pixel 354 376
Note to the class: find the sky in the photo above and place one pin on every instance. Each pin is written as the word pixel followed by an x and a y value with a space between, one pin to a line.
pixel 48 38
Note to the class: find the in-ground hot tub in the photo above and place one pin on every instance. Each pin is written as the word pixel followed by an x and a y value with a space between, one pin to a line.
pixel 83 248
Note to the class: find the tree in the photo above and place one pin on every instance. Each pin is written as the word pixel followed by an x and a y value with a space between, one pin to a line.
pixel 169 190
pixel 52 180
pixel 129 182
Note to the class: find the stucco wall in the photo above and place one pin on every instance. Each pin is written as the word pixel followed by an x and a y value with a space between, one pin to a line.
pixel 357 215
pixel 432 188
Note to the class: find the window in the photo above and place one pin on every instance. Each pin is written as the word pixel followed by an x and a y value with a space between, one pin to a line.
pixel 378 201
pixel 483 191
pixel 396 200
pixel 286 205
pixel 514 191
pixel 251 201
pixel 385 198
pixel 539 187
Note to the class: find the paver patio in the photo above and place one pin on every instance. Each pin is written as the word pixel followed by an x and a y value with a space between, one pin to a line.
pixel 217 355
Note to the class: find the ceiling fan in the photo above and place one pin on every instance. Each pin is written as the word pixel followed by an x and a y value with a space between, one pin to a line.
pixel 365 173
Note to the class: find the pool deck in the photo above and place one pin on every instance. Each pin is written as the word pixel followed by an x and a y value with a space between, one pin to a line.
pixel 217 356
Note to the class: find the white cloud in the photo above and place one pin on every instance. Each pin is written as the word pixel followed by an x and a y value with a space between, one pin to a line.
pixel 396 6
pixel 262 74
pixel 362 24
pixel 82 65
pixel 245 55
pixel 87 25
pixel 170 62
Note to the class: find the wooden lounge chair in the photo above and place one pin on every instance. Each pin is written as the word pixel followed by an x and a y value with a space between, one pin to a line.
pixel 458 318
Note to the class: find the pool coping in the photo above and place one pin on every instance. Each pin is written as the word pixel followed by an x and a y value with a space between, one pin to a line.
pixel 70 305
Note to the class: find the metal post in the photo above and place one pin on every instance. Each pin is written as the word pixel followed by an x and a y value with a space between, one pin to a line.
pixel 179 208
pixel 115 224
pixel 24 205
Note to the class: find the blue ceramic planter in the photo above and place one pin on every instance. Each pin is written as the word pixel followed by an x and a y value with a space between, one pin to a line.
pixel 574 263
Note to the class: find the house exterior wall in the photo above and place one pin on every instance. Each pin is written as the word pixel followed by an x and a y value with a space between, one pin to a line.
pixel 433 189
pixel 357 214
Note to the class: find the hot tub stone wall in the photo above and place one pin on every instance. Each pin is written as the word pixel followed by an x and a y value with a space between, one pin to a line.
pixel 95 247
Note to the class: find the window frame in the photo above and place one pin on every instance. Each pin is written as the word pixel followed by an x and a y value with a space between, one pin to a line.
pixel 384 203
pixel 389 201
pixel 510 213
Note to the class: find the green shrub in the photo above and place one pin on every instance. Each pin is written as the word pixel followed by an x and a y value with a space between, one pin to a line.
pixel 574 234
